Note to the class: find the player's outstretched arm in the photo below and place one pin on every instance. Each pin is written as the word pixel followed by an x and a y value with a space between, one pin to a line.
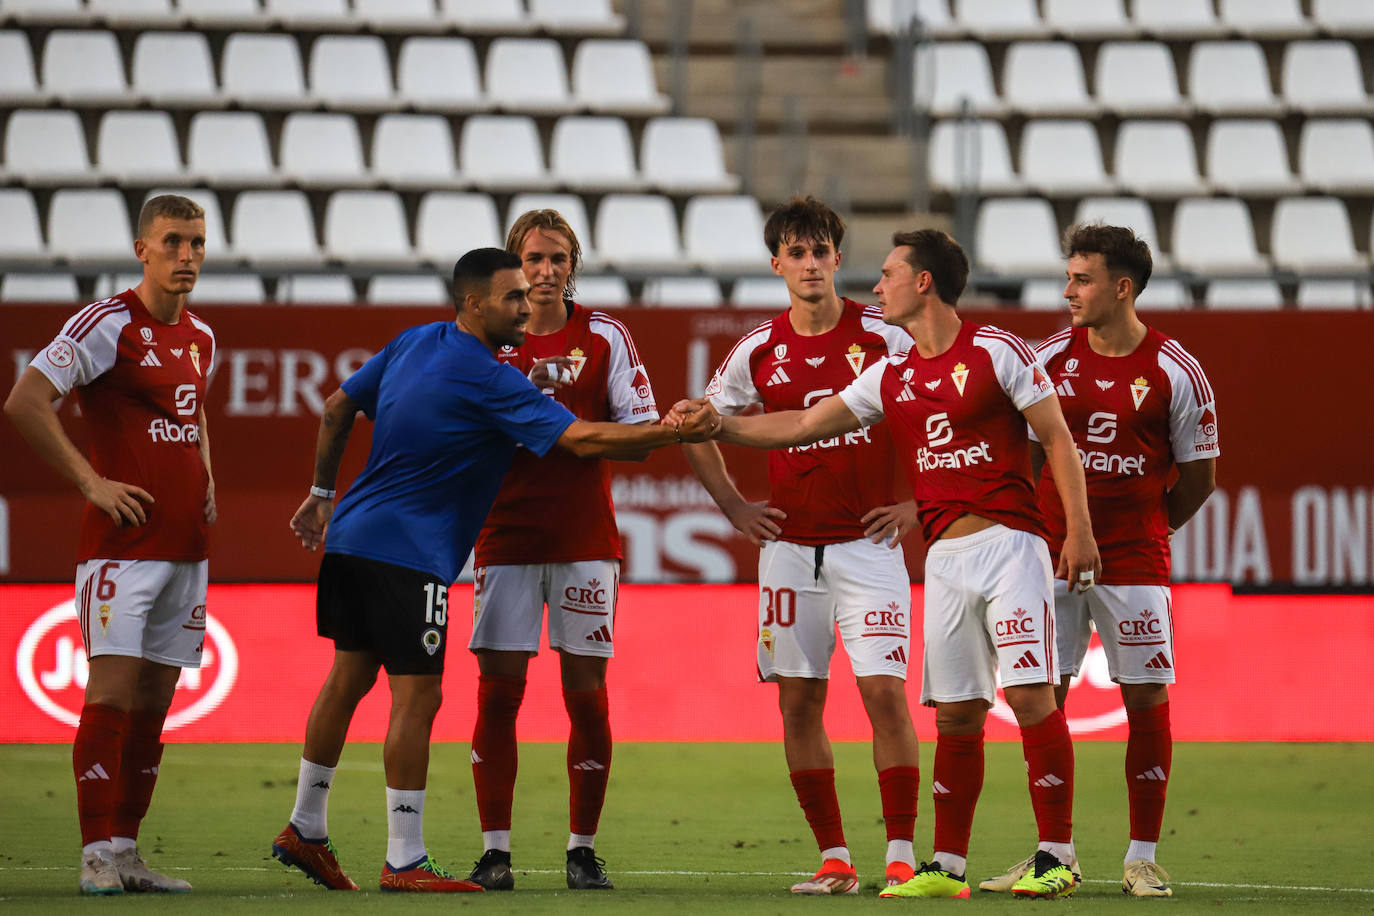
pixel 211 510
pixel 1196 481
pixel 784 428
pixel 336 423
pixel 1079 563
pixel 587 439
pixel 30 407
pixel 756 521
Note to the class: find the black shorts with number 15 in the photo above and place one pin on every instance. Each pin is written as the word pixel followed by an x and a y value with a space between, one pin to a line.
pixel 397 614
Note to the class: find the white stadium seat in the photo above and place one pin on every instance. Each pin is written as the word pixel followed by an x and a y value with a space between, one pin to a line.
pixel 351 72
pixel 888 17
pixel 1243 294
pixel 1337 156
pixel 263 71
pixel 439 74
pixel 527 75
pixel 1324 77
pixel 1138 78
pixel 44 11
pixel 315 289
pixel 18 79
pixel 577 17
pixel 322 149
pixel 614 75
pixel 998 20
pixel 1044 294
pixel 594 154
pixel 602 291
pixel 948 74
pixel 1017 236
pixel 274 227
pixel 1216 235
pixel 32 287
pixel 1046 78
pixel 760 292
pixel 21 238
pixel 499 17
pixel 1176 19
pixel 1130 212
pixel 1352 18
pixel 139 147
pixel 1231 78
pixel 85 68
pixel 450 223
pixel 1088 19
pixel 89 226
pixel 1313 235
pixel 218 249
pixel 724 234
pixel 107 285
pixel 312 14
pixel 224 14
pixel 173 70
pixel 682 292
pixel 229 148
pixel 367 227
pixel 1063 158
pixel 228 289
pixel 972 155
pixel 47 147
pixel 414 151
pixel 1165 293
pixel 1334 294
pixel 407 289
pixel 1249 158
pixel 638 232
pixel 684 155
pixel 1266 18
pixel 399 15
pixel 502 152
pixel 1157 159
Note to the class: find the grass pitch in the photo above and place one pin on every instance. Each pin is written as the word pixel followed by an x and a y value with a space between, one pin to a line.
pixel 706 828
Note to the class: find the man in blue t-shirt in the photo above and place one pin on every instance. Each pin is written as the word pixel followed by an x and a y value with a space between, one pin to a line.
pixel 447 418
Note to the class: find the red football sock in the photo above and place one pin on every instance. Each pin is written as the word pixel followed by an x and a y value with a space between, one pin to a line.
pixel 589 757
pixel 138 771
pixel 1049 770
pixel 899 787
pixel 1149 754
pixel 494 751
pixel 956 784
pixel 816 793
pixel 96 754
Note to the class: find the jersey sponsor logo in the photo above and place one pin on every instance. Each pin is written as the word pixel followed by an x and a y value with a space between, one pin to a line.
pixel 61 354
pixel 815 361
pixel 779 377
pixel 1042 384
pixel 147 334
pixel 851 438
pixel 814 396
pixel 431 639
pixel 908 374
pixel 1205 435
pixel 1110 463
pixel 150 359
pixel 780 352
pixel 927 460
pixel 579 359
pixel 162 430
pixel 1071 366
pixel 1145 629
pixel 1018 629
pixel 890 617
pixel 197 619
pixel 938 429
pixel 855 357
pixel 960 376
pixel 934 383
pixel 185 399
pixel 195 358
pixel 641 384
pixel 1139 388
pixel 1105 384
pixel 52 667
pixel 590 598
pixel 177 351
pixel 1102 427
pixel 1065 389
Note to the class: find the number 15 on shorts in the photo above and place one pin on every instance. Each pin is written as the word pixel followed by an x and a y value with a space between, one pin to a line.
pixel 436 604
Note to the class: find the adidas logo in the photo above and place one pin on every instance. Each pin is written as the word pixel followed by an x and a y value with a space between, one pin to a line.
pixel 476 757
pixel 1154 774
pixel 1027 661
pixel 897 655
pixel 588 766
pixel 906 395
pixel 405 809
pixel 600 634
pixel 1065 389
pixel 779 377
pixel 938 788
pixel 149 771
pixel 1159 662
pixel 322 784
pixel 150 359
pixel 1049 781
pixel 95 772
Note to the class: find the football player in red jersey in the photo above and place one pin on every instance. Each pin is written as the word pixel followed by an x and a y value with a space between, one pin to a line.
pixel 958 404
pixel 1141 410
pixel 587 361
pixel 138 363
pixel 829 538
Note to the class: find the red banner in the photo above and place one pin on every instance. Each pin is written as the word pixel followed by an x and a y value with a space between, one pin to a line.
pixel 264 664
pixel 1294 480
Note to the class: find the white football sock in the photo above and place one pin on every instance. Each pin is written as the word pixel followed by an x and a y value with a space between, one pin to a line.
pixel 955 865
pixel 311 814
pixel 405 826
pixel 837 852
pixel 1061 851
pixel 121 843
pixel 496 839
pixel 1139 849
pixel 577 839
pixel 901 851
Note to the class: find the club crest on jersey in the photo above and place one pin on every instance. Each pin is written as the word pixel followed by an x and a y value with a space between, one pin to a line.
pixel 105 619
pixel 815 361
pixel 855 356
pixel 766 640
pixel 960 376
pixel 1071 366
pixel 147 337
pixel 1139 388
pixel 195 358
pixel 780 352
pixel 430 639
pixel 579 359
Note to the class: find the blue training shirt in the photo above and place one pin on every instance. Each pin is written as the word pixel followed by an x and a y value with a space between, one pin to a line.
pixel 448 417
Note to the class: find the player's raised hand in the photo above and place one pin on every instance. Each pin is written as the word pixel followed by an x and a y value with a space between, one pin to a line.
pixel 551 372
pixel 890 523
pixel 1079 563
pixel 312 520
pixel 122 502
pixel 211 510
pixel 756 521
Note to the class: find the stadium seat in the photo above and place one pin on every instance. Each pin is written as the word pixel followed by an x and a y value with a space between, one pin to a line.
pixel 1282 19
pixel 263 71
pixel 498 17
pixel 1046 78
pixel 616 76
pixel 47 147
pixel 682 292
pixel 85 68
pixel 760 292
pixel 1081 20
pixel 351 72
pixel 948 74
pixel 44 11
pixel 1249 158
pixel 315 289
pixel 1164 293
pixel 18 82
pixel 638 232
pixel 274 227
pixel 1313 235
pixel 1044 294
pixel 594 154
pixel 111 284
pixel 572 208
pixel 1177 19
pixel 89 226
pixel 368 227
pixel 414 151
pixel 602 291
pixel 1231 78
pixel 1334 294
pixel 408 289
pixel 229 148
pixel 32 287
pixel 399 15
pixel 173 70
pixel 1216 236
pixel 1324 77
pixel 1337 156
pixel 322 149
pixel 1131 212
pixel 1063 158
pixel 139 148
pixel 1243 294
pixel 888 17
pixel 502 152
pixel 1017 237
pixel 527 75
pixel 999 20
pixel 21 238
pixel 439 74
pixel 228 289
pixel 218 249
pixel 1347 18
pixel 224 14
pixel 684 155
pixel 1138 79
pixel 1157 159
pixel 318 15
pixel 972 155
pixel 449 223
pixel 577 17
pixel 724 234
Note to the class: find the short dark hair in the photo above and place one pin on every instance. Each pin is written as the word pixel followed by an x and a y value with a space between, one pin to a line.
pixel 1126 254
pixel 803 218
pixel 172 206
pixel 549 221
pixel 937 252
pixel 474 270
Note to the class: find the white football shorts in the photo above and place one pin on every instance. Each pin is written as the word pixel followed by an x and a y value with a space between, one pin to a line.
pixel 152 609
pixel 987 606
pixel 859 586
pixel 508 606
pixel 1134 622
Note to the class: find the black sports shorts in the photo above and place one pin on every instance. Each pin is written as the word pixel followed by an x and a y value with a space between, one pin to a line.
pixel 400 615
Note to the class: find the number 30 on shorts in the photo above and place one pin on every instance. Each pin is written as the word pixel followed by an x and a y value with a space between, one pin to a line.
pixel 780 607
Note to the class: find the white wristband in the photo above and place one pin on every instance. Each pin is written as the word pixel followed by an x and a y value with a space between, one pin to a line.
pixel 321 492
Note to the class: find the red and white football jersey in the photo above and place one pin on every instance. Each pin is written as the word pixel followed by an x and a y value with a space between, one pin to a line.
pixel 826 487
pixel 140 384
pixel 557 509
pixel 958 424
pixel 1132 417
